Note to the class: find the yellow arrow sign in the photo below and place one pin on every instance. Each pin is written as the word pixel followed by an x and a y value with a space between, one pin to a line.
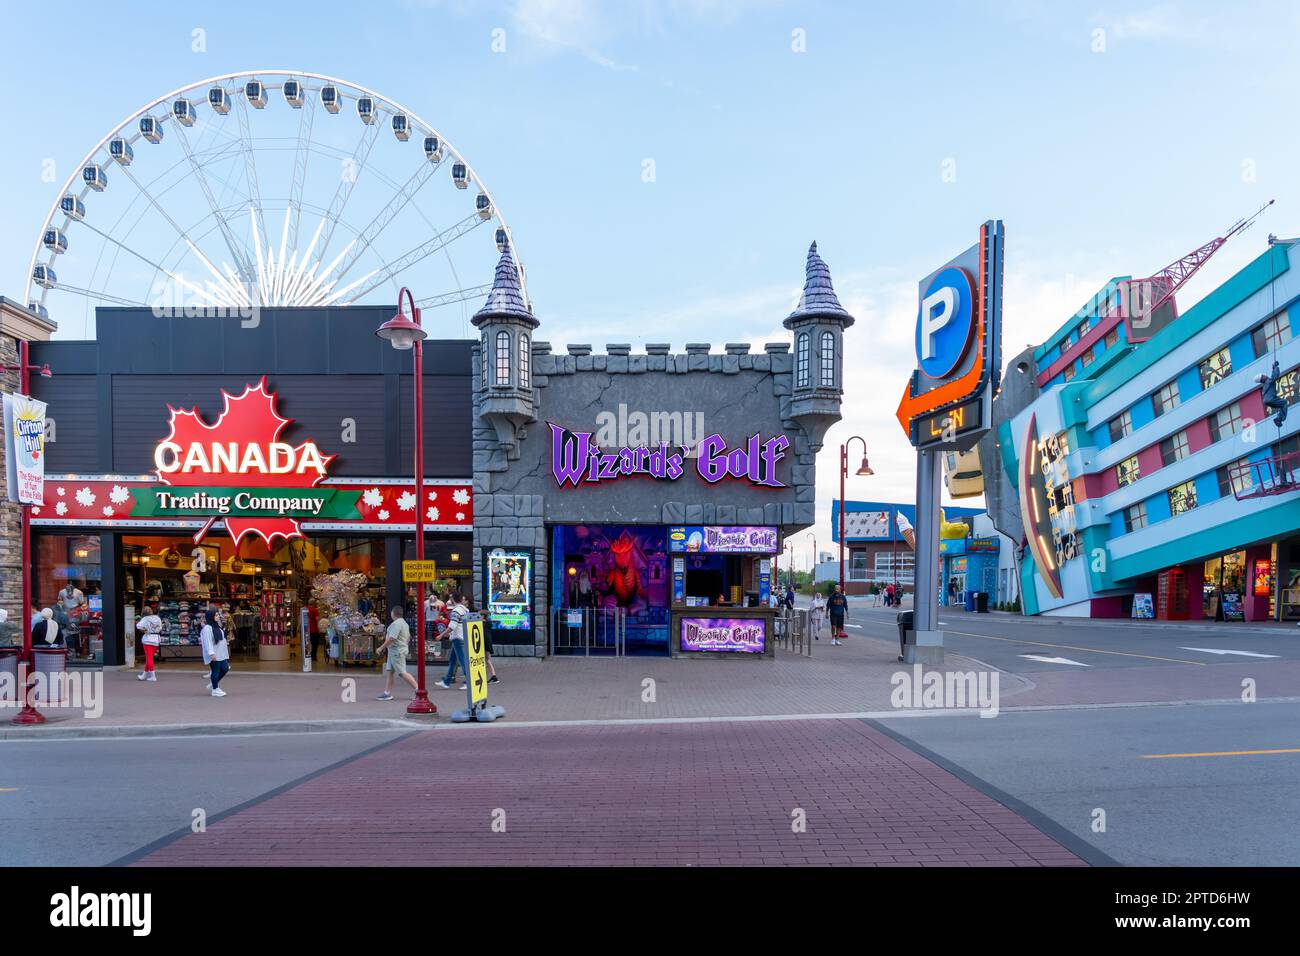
pixel 476 646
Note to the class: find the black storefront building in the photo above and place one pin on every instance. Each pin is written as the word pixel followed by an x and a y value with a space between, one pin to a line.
pixel 290 431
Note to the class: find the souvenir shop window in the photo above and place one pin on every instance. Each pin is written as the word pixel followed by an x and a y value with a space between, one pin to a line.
pixel 177 578
pixel 68 580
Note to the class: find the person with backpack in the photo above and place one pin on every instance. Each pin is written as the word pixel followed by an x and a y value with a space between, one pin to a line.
pixel 150 627
pixel 457 616
pixel 216 651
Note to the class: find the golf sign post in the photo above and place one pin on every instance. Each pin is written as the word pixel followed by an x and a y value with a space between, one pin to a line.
pixel 947 404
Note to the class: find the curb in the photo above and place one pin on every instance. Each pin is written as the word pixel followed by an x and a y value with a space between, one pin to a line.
pixel 56 732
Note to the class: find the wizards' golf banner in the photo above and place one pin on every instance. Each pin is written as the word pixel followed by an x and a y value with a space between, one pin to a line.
pixel 25 449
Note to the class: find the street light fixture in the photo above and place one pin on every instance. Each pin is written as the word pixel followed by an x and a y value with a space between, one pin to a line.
pixel 863 470
pixel 405 333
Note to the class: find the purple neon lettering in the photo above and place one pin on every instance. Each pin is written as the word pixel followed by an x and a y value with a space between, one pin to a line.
pixel 569 454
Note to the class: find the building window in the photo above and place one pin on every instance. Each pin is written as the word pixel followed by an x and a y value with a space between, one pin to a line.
pixel 1215 368
pixel 1135 517
pixel 1235 478
pixel 525 360
pixel 1286 387
pixel 1121 426
pixel 1174 448
pixel 1182 498
pixel 1273 333
pixel 1111 339
pixel 1084 326
pixel 1068 374
pixel 828 359
pixel 503 359
pixel 484 359
pixel 1087 357
pixel 1165 399
pixel 1127 472
pixel 1226 422
pixel 801 361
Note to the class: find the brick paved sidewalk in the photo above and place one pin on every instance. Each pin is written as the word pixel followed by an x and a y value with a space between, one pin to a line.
pixel 683 794
pixel 851 679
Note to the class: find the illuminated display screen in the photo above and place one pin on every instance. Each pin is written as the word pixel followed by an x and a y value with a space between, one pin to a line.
pixel 509 587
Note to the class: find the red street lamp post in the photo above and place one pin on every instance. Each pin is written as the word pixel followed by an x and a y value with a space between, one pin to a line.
pixel 28 714
pixel 408 333
pixel 863 469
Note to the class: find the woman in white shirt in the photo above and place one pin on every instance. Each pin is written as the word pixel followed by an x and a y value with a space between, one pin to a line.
pixel 215 649
pixel 150 627
pixel 818 614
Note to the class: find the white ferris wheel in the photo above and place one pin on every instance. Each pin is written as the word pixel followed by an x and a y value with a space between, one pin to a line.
pixel 267 188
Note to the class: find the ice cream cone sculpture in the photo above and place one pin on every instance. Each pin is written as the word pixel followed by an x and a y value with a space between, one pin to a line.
pixel 908 532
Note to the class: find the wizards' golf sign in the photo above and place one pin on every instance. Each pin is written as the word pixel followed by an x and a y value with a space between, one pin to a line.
pixel 958 348
pixel 476 665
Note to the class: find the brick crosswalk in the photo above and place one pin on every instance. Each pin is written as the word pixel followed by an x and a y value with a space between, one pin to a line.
pixel 685 794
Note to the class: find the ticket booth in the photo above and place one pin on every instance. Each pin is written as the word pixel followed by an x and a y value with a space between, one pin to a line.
pixel 721 590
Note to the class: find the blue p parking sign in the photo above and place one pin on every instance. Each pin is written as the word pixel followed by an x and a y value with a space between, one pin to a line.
pixel 945 322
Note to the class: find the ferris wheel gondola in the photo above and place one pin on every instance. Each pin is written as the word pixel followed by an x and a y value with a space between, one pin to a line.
pixel 257 203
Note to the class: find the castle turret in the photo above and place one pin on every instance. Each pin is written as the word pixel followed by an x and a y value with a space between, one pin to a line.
pixel 505 382
pixel 818 324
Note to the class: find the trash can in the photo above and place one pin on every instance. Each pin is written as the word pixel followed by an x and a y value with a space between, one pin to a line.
pixel 9 674
pixel 49 664
pixel 904 625
pixel 981 602
pixel 970 601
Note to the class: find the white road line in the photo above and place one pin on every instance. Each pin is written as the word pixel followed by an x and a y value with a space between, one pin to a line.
pixel 1220 651
pixel 1054 660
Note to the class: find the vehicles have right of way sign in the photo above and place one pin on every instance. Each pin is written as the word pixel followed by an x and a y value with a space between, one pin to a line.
pixel 476 665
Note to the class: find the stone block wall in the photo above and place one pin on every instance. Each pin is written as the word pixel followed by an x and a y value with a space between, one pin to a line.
pixel 11 597
pixel 515 498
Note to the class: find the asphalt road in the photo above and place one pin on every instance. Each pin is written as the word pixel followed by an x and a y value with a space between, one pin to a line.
pixel 89 802
pixel 1237 809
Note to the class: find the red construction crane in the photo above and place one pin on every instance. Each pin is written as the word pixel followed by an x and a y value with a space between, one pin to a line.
pixel 1142 320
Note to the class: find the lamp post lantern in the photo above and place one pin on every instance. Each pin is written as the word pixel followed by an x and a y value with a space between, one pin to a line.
pixel 403 332
pixel 863 469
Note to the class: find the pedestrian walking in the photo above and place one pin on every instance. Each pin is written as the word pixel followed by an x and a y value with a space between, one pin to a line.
pixel 890 596
pixel 458 615
pixel 789 596
pixel 397 642
pixel 837 607
pixel 150 627
pixel 216 650
pixel 313 629
pixel 952 592
pixel 818 614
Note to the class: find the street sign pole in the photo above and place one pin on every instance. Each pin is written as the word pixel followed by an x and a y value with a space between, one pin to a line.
pixel 927 644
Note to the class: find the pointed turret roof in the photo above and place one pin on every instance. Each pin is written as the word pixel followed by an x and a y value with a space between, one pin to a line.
pixel 818 299
pixel 507 296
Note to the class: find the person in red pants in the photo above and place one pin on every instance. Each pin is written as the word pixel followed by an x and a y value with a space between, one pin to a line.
pixel 150 627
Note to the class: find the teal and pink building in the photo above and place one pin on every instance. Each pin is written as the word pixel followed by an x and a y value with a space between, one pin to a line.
pixel 1149 473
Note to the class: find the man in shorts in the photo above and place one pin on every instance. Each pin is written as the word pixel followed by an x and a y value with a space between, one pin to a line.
pixel 397 640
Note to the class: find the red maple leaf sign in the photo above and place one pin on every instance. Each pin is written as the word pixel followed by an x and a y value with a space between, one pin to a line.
pixel 249 419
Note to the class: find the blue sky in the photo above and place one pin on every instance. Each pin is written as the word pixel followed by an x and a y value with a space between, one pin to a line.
pixel 1111 138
